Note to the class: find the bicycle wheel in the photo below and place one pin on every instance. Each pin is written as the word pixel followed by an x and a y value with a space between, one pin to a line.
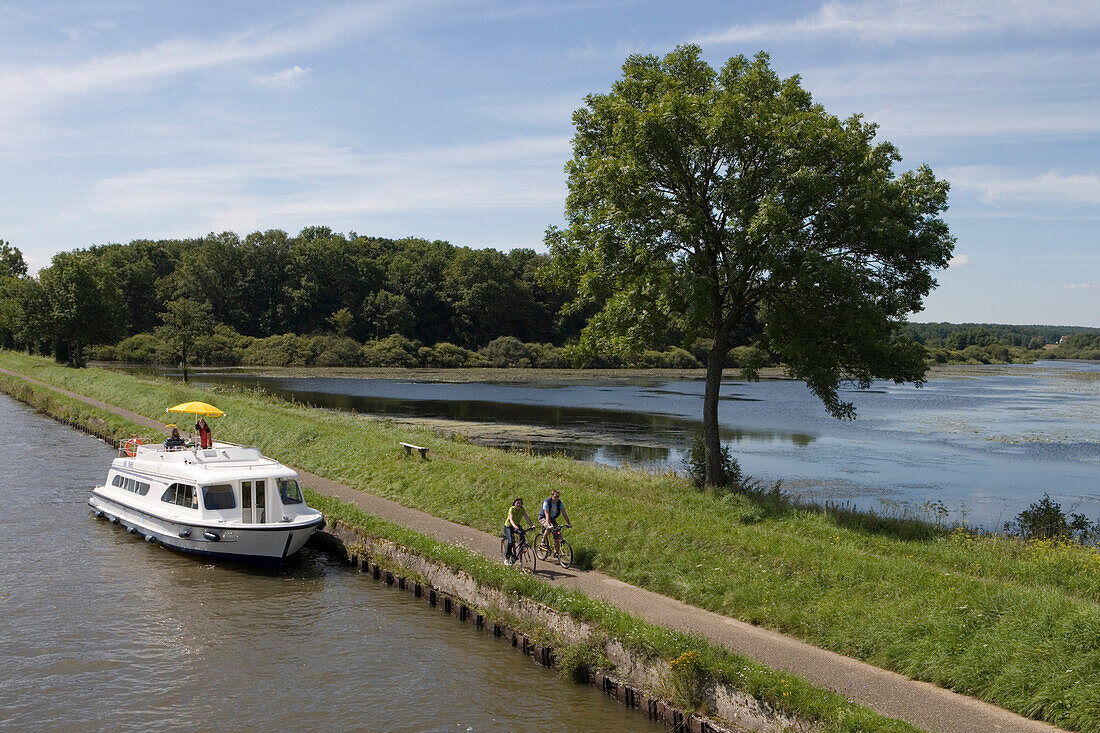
pixel 542 548
pixel 566 556
pixel 526 561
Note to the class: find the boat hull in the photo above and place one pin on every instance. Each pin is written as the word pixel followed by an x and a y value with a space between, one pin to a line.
pixel 261 544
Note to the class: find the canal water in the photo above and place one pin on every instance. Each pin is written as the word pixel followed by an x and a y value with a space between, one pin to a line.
pixel 101 630
pixel 976 444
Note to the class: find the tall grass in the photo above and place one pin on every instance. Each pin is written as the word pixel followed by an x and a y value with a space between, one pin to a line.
pixel 1014 623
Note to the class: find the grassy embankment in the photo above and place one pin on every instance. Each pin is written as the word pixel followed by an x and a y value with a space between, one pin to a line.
pixel 695 661
pixel 1014 623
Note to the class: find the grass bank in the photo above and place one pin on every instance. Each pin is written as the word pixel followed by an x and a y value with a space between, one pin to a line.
pixel 1014 623
pixel 708 663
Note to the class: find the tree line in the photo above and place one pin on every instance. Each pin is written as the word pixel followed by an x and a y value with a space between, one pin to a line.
pixel 327 299
pixel 269 283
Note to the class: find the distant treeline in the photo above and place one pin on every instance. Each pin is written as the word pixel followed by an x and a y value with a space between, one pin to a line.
pixel 991 343
pixel 327 299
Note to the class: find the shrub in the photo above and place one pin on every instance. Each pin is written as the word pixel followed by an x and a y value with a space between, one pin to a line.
pixel 141 348
pixel 392 351
pixel 332 351
pixel 446 355
pixel 579 660
pixel 547 356
pixel 507 351
pixel 678 358
pixel 222 347
pixel 282 350
pixel 696 465
pixel 1045 520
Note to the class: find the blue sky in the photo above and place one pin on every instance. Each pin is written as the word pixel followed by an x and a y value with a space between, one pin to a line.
pixel 451 120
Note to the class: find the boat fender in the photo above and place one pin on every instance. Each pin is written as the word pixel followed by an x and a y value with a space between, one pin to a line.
pixel 212 536
pixel 114 520
pixel 150 538
pixel 185 533
pixel 133 530
pixel 98 514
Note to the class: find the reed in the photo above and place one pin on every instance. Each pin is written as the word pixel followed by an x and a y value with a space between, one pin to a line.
pixel 1015 623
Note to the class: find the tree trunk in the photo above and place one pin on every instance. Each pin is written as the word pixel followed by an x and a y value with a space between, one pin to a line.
pixel 716 359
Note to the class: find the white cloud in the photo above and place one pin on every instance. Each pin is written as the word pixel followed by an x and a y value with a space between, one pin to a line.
pixel 330 181
pixel 78 33
pixel 996 186
pixel 552 110
pixel 972 95
pixel 286 79
pixel 1079 286
pixel 887 21
pixel 29 89
pixel 959 261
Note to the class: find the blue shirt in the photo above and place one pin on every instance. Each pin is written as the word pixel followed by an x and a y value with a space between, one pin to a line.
pixel 551 508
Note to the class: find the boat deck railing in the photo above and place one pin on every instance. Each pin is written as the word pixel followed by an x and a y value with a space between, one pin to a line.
pixel 132 446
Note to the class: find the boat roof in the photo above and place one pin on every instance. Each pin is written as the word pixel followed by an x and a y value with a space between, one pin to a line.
pixel 222 462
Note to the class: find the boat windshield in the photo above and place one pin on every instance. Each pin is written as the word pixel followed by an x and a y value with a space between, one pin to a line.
pixel 289 491
pixel 218 496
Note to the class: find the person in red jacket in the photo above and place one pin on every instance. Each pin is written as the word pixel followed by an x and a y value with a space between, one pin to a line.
pixel 205 441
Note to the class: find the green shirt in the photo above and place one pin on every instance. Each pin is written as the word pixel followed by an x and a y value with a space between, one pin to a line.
pixel 514 514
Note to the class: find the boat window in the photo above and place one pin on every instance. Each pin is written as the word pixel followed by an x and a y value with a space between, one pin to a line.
pixel 218 496
pixel 129 484
pixel 289 491
pixel 181 495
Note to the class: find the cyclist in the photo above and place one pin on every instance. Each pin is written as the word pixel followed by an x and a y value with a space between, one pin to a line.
pixel 551 509
pixel 511 526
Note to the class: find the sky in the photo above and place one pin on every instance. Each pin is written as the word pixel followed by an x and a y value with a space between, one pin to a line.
pixel 123 120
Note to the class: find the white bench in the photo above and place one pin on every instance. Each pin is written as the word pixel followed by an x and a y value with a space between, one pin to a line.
pixel 409 448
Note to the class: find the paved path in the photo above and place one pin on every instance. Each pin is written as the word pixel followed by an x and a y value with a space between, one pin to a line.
pixel 890 694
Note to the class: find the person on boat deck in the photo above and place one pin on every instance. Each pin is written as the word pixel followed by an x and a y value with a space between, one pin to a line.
pixel 511 526
pixel 175 441
pixel 205 441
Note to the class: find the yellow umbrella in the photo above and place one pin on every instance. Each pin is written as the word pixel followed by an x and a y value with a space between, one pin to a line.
pixel 196 408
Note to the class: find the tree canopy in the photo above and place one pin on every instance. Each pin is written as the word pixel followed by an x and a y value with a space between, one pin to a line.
pixel 700 200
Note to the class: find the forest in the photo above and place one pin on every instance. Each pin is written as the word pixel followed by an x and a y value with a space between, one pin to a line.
pixel 323 298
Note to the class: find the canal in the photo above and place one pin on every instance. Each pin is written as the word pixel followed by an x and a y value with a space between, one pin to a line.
pixel 104 631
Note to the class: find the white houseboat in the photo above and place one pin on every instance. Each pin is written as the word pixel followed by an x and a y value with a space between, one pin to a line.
pixel 227 501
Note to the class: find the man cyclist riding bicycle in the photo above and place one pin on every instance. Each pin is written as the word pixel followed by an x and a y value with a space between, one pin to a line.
pixel 551 509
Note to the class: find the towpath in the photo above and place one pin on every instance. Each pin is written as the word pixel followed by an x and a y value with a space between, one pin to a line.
pixel 888 693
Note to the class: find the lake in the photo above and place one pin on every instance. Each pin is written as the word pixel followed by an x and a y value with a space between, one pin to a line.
pixel 980 443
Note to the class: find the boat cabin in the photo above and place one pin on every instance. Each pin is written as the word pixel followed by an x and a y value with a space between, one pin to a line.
pixel 225 483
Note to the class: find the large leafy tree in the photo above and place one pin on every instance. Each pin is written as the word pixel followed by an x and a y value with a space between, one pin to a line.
pixel 185 322
pixel 78 304
pixel 12 263
pixel 13 271
pixel 700 200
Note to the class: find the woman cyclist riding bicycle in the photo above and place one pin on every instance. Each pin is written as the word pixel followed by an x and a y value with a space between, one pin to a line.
pixel 511 526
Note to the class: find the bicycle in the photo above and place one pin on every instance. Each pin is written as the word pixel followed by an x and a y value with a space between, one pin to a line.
pixel 564 555
pixel 525 557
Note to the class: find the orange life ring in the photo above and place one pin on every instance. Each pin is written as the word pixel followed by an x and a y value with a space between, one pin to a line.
pixel 131 446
